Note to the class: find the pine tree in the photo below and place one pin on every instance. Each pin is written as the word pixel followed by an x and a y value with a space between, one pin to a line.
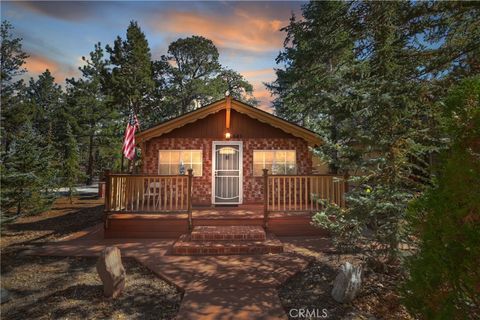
pixel 131 81
pixel 443 276
pixel 25 173
pixel 14 110
pixel 97 122
pixel 70 164
pixel 318 66
pixel 351 75
pixel 191 76
pixel 46 99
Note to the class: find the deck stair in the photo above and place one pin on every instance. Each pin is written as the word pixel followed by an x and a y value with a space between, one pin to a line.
pixel 227 240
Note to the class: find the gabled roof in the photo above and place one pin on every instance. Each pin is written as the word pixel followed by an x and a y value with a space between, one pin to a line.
pixel 311 137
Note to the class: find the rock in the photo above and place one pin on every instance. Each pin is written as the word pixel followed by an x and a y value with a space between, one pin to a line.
pixel 4 295
pixel 347 283
pixel 111 272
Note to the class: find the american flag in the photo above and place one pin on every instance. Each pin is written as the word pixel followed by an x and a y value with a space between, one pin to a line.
pixel 129 139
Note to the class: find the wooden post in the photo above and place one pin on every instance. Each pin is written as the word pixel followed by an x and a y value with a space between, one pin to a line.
pixel 189 198
pixel 345 188
pixel 106 209
pixel 265 198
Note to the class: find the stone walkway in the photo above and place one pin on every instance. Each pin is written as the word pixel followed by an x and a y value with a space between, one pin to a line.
pixel 216 287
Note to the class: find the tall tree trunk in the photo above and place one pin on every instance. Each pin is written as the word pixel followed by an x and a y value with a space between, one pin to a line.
pixel 90 161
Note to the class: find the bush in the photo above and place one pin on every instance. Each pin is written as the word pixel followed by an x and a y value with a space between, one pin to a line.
pixel 444 276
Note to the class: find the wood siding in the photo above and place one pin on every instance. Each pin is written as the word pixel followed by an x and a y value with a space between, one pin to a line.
pixel 241 127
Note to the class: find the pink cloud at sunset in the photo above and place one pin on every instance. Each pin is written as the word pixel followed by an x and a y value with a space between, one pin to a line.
pixel 37 64
pixel 260 92
pixel 239 31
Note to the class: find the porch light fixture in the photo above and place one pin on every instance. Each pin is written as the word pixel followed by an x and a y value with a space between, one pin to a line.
pixel 228 135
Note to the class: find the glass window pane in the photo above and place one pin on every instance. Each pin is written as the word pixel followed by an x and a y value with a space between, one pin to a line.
pixel 278 168
pixel 174 168
pixel 269 156
pixel 291 156
pixel 164 169
pixel 197 169
pixel 184 156
pixel 257 156
pixel 197 156
pixel 164 156
pixel 291 169
pixel 280 156
pixel 175 158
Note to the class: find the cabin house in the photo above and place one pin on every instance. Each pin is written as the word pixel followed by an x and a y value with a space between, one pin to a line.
pixel 227 164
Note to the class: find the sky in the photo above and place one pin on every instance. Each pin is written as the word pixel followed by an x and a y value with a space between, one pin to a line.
pixel 247 34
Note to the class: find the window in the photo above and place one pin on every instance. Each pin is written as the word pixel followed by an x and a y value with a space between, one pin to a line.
pixel 276 161
pixel 171 162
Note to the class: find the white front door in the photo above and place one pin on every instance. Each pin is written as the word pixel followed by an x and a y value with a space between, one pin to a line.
pixel 227 173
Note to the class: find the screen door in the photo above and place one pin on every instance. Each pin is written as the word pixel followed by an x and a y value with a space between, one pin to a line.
pixel 227 173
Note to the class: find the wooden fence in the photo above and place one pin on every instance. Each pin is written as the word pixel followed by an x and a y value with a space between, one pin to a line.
pixel 302 192
pixel 132 193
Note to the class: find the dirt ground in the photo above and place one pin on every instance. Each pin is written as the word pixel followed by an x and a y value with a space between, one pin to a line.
pixel 311 289
pixel 69 288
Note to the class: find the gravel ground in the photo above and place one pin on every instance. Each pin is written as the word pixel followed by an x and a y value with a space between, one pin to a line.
pixel 311 289
pixel 69 288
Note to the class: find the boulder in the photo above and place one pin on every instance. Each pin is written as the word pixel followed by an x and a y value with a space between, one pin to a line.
pixel 347 283
pixel 111 272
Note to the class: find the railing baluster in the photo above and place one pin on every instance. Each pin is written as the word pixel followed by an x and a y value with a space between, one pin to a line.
pixel 155 193
pixel 306 193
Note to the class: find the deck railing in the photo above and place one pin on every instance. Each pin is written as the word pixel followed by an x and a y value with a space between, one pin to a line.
pixel 302 192
pixel 148 193
pixel 131 193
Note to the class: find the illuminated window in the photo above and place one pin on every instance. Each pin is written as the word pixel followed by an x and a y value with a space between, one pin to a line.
pixel 276 161
pixel 173 162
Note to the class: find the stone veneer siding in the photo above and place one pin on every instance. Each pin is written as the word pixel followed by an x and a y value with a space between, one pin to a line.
pixel 202 186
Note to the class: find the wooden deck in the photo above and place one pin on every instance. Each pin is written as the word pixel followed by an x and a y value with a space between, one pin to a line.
pixel 172 225
pixel 157 206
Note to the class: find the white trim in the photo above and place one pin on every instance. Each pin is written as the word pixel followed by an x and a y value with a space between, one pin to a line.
pixel 240 168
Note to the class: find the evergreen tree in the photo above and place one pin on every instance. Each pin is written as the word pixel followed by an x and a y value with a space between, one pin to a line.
pixel 97 121
pixel 191 63
pixel 46 99
pixel 131 81
pixel 26 171
pixel 70 166
pixel 360 88
pixel 191 76
pixel 14 110
pixel 238 87
pixel 443 276
pixel 318 67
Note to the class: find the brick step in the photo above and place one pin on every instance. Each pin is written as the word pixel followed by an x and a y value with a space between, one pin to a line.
pixel 246 233
pixel 185 246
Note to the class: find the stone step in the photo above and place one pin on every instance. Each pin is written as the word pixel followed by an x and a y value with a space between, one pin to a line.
pixel 185 246
pixel 245 233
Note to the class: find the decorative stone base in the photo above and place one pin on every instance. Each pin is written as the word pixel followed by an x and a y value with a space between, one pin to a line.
pixel 253 233
pixel 187 246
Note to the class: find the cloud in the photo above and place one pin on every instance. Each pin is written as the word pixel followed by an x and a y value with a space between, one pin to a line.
pixel 257 77
pixel 266 73
pixel 239 31
pixel 261 93
pixel 65 10
pixel 37 64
